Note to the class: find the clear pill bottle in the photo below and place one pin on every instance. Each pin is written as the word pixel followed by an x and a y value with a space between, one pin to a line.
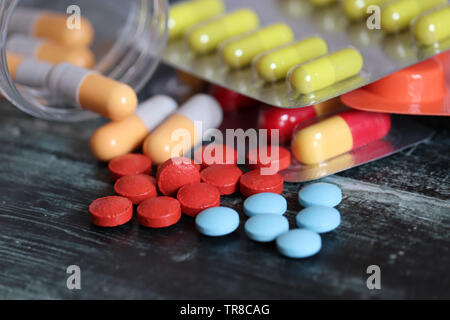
pixel 129 40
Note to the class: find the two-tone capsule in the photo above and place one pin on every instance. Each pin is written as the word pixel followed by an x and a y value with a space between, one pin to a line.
pixel 274 65
pixel 398 14
pixel 45 50
pixel 338 134
pixel 433 27
pixel 184 129
pixel 51 25
pixel 121 137
pixel 207 37
pixel 189 13
pixel 357 9
pixel 26 71
pixel 325 71
pixel 238 53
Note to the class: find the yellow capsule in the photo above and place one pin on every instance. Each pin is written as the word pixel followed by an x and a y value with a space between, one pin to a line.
pixel 188 13
pixel 320 3
pixel 240 52
pixel 398 14
pixel 274 65
pixel 357 9
pixel 433 27
pixel 206 38
pixel 326 71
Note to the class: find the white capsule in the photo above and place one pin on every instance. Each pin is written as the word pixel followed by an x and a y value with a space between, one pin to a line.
pixel 28 72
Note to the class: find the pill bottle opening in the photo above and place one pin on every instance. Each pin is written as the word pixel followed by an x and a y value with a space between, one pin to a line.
pixel 129 40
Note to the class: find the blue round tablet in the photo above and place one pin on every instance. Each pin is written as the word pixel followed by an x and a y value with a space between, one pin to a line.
pixel 319 219
pixel 265 203
pixel 266 227
pixel 320 194
pixel 217 221
pixel 299 243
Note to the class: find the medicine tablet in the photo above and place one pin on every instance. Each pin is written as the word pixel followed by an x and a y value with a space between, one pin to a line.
pixel 320 194
pixel 433 27
pixel 129 164
pixel 325 71
pixel 254 182
pixel 272 158
pixel 218 221
pixel 266 227
pixel 299 243
pixel 338 134
pixel 159 212
pixel 111 211
pixel 265 203
pixel 224 177
pixel 215 153
pixel 136 187
pixel 319 219
pixel 196 197
pixel 175 173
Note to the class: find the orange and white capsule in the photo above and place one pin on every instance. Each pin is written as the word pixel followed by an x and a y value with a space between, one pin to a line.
pixel 45 50
pixel 92 91
pixel 121 137
pixel 26 71
pixel 51 25
pixel 184 129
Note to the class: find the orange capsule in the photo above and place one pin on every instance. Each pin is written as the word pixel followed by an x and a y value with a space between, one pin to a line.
pixel 57 27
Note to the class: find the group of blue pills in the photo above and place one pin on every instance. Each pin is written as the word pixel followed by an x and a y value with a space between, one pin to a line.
pixel 267 223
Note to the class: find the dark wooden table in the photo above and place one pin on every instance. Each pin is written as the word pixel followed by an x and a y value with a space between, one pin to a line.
pixel 395 214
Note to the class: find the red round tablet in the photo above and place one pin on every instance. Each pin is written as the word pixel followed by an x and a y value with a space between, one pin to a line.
pixel 175 173
pixel 224 177
pixel 159 212
pixel 111 211
pixel 129 164
pixel 196 197
pixel 137 187
pixel 254 182
pixel 215 154
pixel 274 158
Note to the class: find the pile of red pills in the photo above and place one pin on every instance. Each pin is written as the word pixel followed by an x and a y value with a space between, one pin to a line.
pixel 184 186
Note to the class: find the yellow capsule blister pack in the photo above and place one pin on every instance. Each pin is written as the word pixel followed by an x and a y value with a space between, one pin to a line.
pixel 295 53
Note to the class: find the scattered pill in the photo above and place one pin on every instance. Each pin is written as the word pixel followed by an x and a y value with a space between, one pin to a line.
pixel 274 65
pixel 357 9
pixel 184 129
pixel 240 52
pixel 48 51
pixel 196 197
pixel 175 173
pixel 92 91
pixel 217 221
pixel 206 37
pixel 254 182
pixel 159 212
pixel 397 15
pixel 129 164
pixel 326 71
pixel 433 27
pixel 215 153
pixel 320 194
pixel 272 158
pixel 224 177
pixel 188 13
pixel 28 72
pixel 117 138
pixel 51 25
pixel 266 227
pixel 230 100
pixel 265 203
pixel 285 120
pixel 299 243
pixel 319 219
pixel 137 187
pixel 339 134
pixel 111 211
